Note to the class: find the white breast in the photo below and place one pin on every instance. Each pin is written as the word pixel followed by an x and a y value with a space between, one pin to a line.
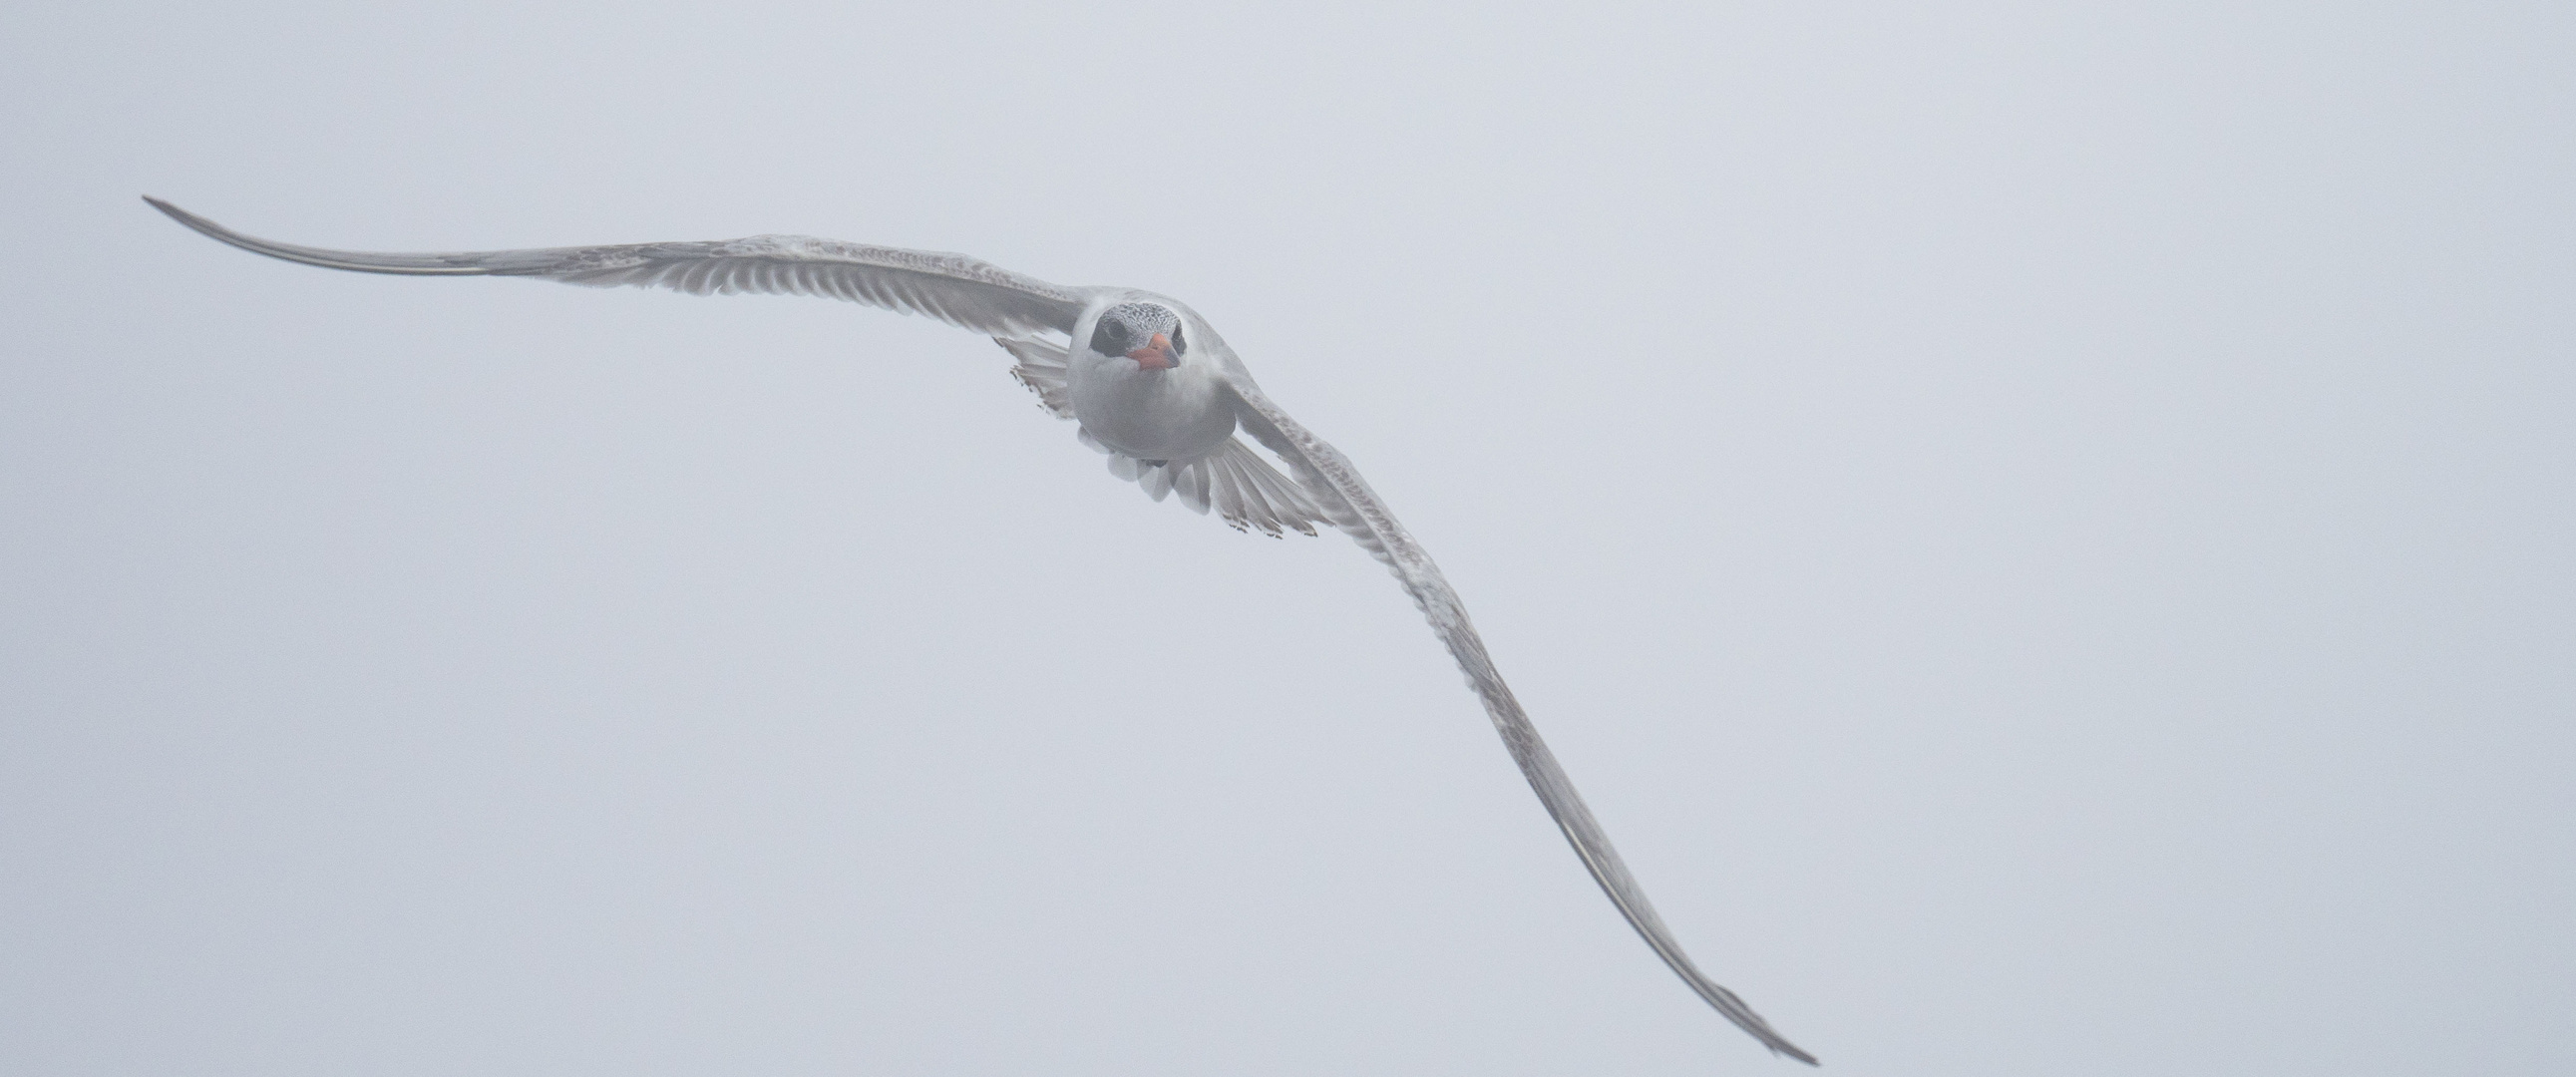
pixel 1176 414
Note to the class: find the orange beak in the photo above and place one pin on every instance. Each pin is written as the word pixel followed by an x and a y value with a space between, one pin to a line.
pixel 1156 354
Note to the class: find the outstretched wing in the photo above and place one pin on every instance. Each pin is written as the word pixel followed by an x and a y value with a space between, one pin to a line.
pixel 953 288
pixel 1356 509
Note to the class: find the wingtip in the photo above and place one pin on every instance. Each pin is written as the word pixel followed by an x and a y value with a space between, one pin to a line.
pixel 175 213
pixel 1780 1046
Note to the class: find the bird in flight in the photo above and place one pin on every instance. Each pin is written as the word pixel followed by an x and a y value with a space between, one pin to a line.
pixel 1152 387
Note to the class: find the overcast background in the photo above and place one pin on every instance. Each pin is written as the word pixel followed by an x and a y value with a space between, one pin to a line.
pixel 2045 534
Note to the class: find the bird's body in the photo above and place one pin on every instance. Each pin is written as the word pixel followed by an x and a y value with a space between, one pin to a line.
pixel 1156 390
pixel 1180 413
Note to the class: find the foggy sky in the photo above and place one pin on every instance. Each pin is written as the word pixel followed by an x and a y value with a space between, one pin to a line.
pixel 2043 533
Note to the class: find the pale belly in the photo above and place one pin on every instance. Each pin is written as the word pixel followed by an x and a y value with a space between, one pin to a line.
pixel 1152 415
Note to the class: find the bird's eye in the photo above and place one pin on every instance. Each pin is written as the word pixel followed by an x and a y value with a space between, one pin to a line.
pixel 1108 338
pixel 1178 346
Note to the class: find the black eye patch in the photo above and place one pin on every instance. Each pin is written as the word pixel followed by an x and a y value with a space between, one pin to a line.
pixel 1177 345
pixel 1110 338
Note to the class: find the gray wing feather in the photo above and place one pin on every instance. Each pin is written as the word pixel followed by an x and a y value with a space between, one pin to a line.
pixel 1041 369
pixel 1356 509
pixel 953 288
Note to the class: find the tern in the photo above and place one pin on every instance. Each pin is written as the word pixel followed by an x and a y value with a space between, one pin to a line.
pixel 1153 387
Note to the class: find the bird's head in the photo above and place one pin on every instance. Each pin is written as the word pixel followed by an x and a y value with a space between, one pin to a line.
pixel 1149 333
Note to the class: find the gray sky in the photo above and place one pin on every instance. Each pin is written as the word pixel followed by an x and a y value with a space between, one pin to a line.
pixel 2043 533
